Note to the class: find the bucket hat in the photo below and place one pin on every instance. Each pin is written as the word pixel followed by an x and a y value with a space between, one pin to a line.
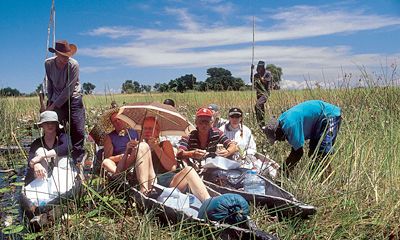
pixel 48 116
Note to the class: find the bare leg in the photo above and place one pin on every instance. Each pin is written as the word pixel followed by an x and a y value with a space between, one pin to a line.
pixel 189 177
pixel 109 165
pixel 144 167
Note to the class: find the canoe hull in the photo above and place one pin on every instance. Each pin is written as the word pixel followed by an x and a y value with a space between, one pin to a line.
pixel 174 216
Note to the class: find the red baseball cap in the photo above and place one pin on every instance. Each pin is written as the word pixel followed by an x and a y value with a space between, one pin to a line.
pixel 204 112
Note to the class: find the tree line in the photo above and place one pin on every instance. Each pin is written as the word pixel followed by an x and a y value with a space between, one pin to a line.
pixel 218 79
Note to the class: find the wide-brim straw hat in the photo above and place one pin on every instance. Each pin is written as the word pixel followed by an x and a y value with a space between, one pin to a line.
pixel 64 48
pixel 103 126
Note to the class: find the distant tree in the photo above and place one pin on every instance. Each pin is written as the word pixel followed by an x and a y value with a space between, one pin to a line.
pixel 6 92
pixel 39 88
pixel 201 86
pixel 145 88
pixel 221 79
pixel 130 86
pixel 276 75
pixel 88 87
pixel 161 87
pixel 188 81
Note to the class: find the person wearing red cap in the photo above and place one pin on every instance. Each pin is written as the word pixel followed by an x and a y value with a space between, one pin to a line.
pixel 64 94
pixel 203 141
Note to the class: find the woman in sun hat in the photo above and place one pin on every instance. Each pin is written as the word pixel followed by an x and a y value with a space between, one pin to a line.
pixel 116 142
pixel 53 143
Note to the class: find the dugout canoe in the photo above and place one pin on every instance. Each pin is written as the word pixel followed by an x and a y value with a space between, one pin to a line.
pixel 65 188
pixel 278 201
pixel 186 216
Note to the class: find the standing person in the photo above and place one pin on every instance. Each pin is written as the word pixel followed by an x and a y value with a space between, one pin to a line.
pixel 64 94
pixel 315 120
pixel 218 121
pixel 262 84
pixel 204 139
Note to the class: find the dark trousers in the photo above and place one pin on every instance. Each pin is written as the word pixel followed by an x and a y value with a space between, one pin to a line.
pixel 326 138
pixel 260 109
pixel 73 112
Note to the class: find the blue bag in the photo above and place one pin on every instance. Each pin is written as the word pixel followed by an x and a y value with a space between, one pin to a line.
pixel 229 208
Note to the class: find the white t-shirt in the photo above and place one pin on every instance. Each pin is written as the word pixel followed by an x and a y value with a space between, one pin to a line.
pixel 246 142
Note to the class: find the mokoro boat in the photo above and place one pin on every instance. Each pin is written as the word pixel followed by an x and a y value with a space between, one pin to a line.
pixel 42 200
pixel 279 201
pixel 174 215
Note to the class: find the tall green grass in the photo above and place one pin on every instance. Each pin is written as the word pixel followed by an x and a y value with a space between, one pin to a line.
pixel 359 200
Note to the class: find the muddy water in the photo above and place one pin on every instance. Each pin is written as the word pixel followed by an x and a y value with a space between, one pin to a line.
pixel 10 213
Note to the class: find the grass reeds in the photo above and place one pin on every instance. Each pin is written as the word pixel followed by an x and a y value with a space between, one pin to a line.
pixel 359 200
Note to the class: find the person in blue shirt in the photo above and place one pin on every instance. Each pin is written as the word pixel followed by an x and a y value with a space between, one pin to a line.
pixel 313 120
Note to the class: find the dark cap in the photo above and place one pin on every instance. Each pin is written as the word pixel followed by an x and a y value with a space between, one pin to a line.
pixel 260 64
pixel 270 130
pixel 169 101
pixel 235 111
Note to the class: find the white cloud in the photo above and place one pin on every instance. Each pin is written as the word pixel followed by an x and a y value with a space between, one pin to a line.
pixel 94 69
pixel 186 19
pixel 197 44
pixel 111 32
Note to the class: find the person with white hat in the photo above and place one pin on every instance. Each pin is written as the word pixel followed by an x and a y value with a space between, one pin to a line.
pixel 53 143
pixel 64 94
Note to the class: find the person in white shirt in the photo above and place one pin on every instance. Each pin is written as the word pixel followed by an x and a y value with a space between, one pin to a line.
pixel 236 131
pixel 247 154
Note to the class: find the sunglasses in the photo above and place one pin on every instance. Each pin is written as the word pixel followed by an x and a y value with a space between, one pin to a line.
pixel 203 121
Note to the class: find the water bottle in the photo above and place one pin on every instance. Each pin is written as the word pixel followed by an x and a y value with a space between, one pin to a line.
pixel 253 183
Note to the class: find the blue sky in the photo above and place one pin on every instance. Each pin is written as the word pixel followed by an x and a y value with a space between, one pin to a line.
pixel 156 41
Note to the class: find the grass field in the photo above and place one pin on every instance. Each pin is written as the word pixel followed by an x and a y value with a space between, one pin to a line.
pixel 360 200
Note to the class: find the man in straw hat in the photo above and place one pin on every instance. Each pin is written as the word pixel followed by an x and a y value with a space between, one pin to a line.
pixel 64 94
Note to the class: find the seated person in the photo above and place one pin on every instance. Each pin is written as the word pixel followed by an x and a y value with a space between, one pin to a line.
pixel 239 133
pixel 218 121
pixel 53 143
pixel 173 139
pixel 164 163
pixel 117 144
pixel 236 131
pixel 203 141
pixel 122 149
pixel 149 151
